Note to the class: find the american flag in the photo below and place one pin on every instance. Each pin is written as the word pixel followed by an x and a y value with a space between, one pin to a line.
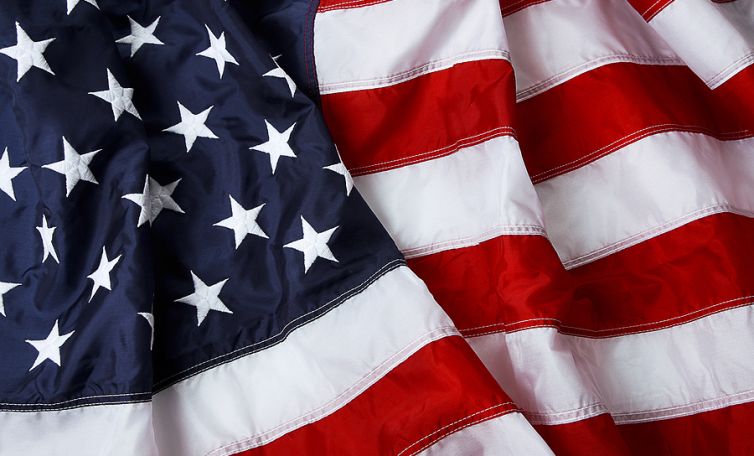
pixel 553 253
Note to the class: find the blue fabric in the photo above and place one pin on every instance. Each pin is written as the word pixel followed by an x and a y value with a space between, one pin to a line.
pixel 108 357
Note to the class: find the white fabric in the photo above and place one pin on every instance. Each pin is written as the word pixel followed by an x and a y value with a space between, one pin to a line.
pixel 319 368
pixel 558 40
pixel 387 43
pixel 716 40
pixel 645 189
pixel 475 194
pixel 509 434
pixel 698 366
pixel 117 429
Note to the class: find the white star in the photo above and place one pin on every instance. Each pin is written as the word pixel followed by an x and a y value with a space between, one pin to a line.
pixel 7 173
pixel 150 319
pixel 277 144
pixel 278 72
pixel 341 169
pixel 313 245
pixel 205 298
pixel 46 233
pixel 72 4
pixel 153 199
pixel 74 167
pixel 27 53
pixel 49 348
pixel 118 97
pixel 192 126
pixel 4 288
pixel 242 222
pixel 140 35
pixel 101 277
pixel 217 51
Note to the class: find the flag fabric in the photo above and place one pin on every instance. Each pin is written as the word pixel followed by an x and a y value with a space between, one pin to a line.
pixel 188 267
pixel 574 181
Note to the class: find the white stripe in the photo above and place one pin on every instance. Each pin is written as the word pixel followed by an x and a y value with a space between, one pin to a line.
pixel 387 43
pixel 643 190
pixel 118 429
pixel 318 369
pixel 716 40
pixel 509 434
pixel 558 40
pixel 455 201
pixel 672 372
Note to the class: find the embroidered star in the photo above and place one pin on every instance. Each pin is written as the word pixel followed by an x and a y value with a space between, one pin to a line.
pixel 313 245
pixel 242 222
pixel 49 348
pixel 74 167
pixel 7 173
pixel 153 199
pixel 150 319
pixel 217 51
pixel 72 4
pixel 119 97
pixel 277 144
pixel 28 53
pixel 4 288
pixel 101 276
pixel 192 126
pixel 341 169
pixel 205 298
pixel 278 72
pixel 140 35
pixel 46 233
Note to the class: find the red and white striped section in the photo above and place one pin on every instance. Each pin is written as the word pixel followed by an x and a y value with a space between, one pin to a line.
pixel 637 164
pixel 327 373
pixel 714 38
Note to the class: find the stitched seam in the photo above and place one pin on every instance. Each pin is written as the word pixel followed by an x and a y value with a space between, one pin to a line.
pixel 59 409
pixel 653 232
pixel 473 239
pixel 429 67
pixel 486 418
pixel 358 387
pixel 453 424
pixel 702 405
pixel 632 138
pixel 389 266
pixel 550 418
pixel 730 70
pixel 349 5
pixel 82 398
pixel 573 71
pixel 648 15
pixel 559 326
pixel 444 151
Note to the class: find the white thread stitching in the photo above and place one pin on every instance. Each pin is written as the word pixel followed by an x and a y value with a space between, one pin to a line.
pixel 558 325
pixel 729 71
pixel 354 390
pixel 475 239
pixel 453 424
pixel 574 71
pixel 349 4
pixel 282 330
pixel 82 398
pixel 429 67
pixel 459 144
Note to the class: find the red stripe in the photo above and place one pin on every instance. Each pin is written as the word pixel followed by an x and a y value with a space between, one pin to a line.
pixel 596 435
pixel 649 8
pixel 607 108
pixel 516 282
pixel 329 5
pixel 726 431
pixel 405 408
pixel 421 119
pixel 509 7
